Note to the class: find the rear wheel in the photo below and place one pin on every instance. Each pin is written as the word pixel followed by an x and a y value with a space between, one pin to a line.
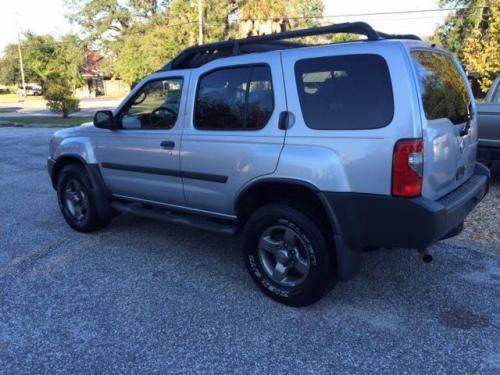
pixel 75 200
pixel 287 255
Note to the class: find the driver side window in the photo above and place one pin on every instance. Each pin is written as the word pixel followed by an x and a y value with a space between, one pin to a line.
pixel 155 106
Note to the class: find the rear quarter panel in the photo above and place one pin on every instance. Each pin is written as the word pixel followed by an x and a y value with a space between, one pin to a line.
pixel 350 160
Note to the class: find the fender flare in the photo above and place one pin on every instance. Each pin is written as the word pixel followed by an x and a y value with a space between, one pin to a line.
pixel 100 193
pixel 348 260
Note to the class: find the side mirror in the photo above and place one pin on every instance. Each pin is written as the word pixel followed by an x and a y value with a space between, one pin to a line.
pixel 104 120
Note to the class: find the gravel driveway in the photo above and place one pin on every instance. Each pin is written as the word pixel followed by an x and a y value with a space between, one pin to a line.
pixel 146 296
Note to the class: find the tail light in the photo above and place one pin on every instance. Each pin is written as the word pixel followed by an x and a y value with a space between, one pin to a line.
pixel 407 168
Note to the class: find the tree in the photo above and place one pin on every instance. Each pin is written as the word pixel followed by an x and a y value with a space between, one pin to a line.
pixel 481 50
pixel 107 19
pixel 459 24
pixel 142 54
pixel 60 97
pixel 473 34
pixel 146 47
pixel 10 73
pixel 140 36
pixel 44 56
pixel 261 17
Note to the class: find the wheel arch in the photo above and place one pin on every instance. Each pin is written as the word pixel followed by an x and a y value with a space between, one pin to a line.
pixel 270 189
pixel 62 161
pixel 348 262
pixel 98 189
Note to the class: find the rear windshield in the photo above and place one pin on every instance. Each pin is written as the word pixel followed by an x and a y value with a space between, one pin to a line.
pixel 350 92
pixel 444 91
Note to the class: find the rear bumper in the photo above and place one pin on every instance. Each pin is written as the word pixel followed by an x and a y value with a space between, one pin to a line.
pixel 383 221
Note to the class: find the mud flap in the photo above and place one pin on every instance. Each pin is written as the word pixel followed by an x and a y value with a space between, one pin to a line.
pixel 348 261
pixel 101 195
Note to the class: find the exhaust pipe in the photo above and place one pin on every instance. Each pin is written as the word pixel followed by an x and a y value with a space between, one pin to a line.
pixel 424 254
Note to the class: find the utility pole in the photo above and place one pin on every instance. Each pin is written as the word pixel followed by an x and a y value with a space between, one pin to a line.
pixel 20 57
pixel 200 22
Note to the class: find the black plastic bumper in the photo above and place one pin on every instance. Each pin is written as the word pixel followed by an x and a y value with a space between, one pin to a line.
pixel 383 221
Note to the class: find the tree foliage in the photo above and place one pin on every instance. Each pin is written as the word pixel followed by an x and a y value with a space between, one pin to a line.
pixel 43 57
pixel 140 36
pixel 481 48
pixel 473 34
pixel 60 97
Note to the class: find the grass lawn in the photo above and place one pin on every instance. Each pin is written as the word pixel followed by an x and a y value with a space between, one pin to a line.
pixel 13 98
pixel 44 120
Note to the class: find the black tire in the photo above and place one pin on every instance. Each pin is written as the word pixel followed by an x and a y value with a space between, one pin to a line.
pixel 88 220
pixel 321 276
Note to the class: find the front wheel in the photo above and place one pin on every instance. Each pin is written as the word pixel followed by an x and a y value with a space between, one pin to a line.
pixel 287 255
pixel 76 201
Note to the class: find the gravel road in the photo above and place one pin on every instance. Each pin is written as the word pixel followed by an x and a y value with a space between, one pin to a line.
pixel 143 296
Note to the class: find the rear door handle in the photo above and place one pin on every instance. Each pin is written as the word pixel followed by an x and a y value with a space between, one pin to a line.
pixel 168 145
pixel 284 120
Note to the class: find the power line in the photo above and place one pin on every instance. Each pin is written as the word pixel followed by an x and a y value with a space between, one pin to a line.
pixel 220 22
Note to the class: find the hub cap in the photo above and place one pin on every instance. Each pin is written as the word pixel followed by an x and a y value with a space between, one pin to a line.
pixel 76 200
pixel 283 255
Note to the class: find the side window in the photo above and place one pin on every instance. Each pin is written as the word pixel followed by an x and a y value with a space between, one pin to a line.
pixel 155 106
pixel 239 98
pixel 350 92
pixel 444 91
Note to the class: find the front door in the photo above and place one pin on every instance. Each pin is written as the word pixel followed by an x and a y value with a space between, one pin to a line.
pixel 141 159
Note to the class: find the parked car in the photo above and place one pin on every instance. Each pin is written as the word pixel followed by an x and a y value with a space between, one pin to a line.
pixel 313 153
pixel 489 125
pixel 31 90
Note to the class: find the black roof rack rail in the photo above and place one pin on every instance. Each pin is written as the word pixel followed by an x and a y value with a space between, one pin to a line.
pixel 196 56
pixel 398 36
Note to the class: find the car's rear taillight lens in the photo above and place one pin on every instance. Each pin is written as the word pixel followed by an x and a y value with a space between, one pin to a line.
pixel 407 168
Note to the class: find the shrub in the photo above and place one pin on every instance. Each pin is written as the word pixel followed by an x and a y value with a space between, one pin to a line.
pixel 60 98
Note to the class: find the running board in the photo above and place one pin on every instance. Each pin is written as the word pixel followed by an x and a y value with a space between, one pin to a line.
pixel 192 220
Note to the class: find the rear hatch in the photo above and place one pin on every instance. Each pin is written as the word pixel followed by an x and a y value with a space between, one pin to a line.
pixel 449 129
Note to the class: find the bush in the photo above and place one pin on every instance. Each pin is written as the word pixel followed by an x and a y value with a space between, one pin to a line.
pixel 60 98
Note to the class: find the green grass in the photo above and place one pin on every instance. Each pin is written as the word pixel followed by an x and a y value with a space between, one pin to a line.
pixel 13 98
pixel 44 120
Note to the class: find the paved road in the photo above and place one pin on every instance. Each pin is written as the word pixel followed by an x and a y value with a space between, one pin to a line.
pixel 145 296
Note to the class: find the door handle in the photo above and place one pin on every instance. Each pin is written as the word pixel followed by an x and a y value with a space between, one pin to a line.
pixel 168 145
pixel 284 120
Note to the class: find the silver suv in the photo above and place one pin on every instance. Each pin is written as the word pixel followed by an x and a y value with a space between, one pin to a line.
pixel 314 153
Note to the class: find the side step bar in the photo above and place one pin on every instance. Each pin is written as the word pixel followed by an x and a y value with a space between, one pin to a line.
pixel 195 221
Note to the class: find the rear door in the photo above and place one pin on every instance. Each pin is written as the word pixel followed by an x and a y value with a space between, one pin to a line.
pixel 449 122
pixel 231 134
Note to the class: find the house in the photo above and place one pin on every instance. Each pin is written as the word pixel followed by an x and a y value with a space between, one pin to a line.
pixel 97 82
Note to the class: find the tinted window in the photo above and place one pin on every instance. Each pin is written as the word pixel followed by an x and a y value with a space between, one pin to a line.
pixel 444 91
pixel 234 99
pixel 154 106
pixel 345 92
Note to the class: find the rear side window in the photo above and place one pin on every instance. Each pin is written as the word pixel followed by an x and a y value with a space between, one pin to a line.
pixel 350 92
pixel 444 91
pixel 239 98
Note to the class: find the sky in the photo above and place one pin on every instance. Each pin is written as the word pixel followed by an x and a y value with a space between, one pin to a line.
pixel 48 16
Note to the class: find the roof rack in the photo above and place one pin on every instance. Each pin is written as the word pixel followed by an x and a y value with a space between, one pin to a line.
pixel 196 56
